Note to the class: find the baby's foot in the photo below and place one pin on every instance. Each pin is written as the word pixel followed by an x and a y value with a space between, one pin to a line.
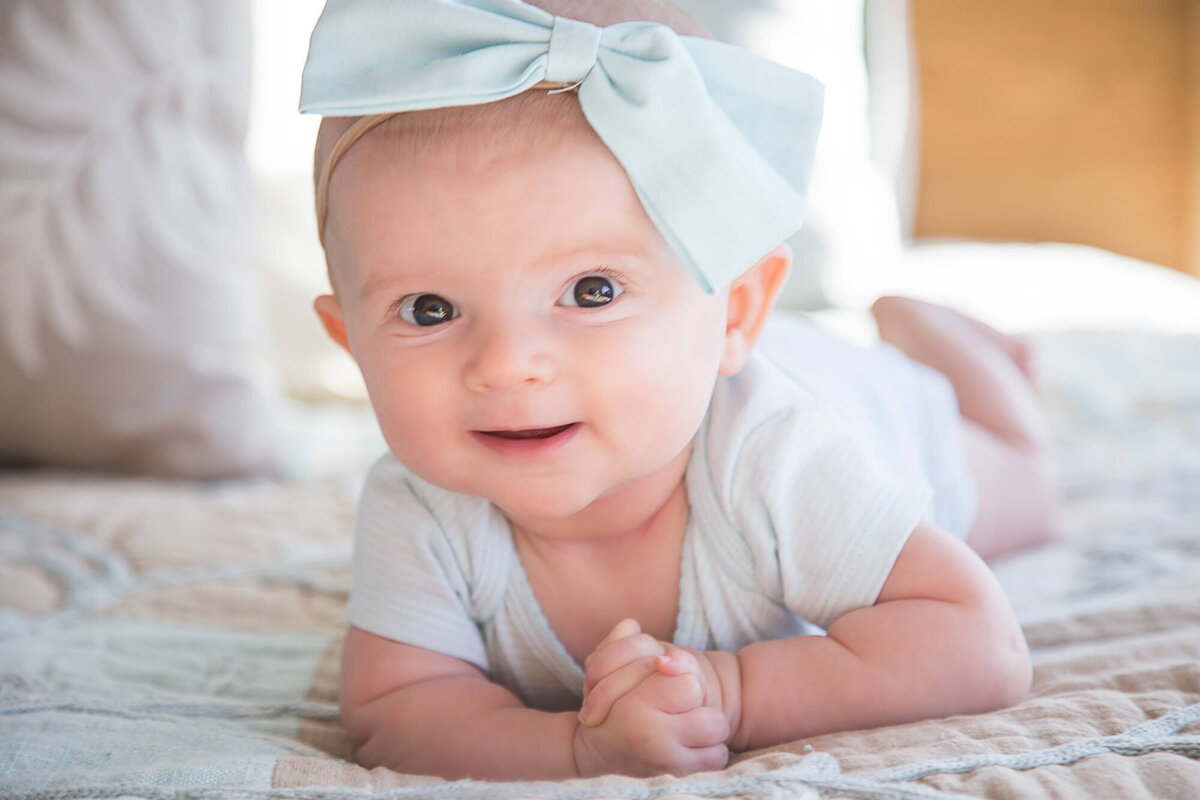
pixel 895 317
pixel 1017 348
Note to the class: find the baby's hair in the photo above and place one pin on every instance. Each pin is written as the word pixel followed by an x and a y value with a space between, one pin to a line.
pixel 610 12
pixel 527 120
pixel 531 119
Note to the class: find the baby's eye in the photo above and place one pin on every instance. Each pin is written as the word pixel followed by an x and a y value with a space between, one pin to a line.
pixel 593 291
pixel 426 310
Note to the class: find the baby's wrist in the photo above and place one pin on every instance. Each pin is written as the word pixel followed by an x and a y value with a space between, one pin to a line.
pixel 587 760
pixel 729 677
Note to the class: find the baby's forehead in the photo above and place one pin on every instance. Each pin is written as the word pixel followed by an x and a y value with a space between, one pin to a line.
pixel 520 133
pixel 466 135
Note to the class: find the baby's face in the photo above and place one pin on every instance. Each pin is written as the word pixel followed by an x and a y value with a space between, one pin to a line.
pixel 525 333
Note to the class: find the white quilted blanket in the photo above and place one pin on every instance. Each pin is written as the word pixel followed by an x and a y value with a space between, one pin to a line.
pixel 166 639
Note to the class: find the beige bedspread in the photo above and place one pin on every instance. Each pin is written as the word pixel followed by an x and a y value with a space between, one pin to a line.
pixel 165 639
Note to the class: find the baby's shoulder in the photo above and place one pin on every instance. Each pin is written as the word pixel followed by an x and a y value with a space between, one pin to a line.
pixel 760 402
pixel 762 428
pixel 393 494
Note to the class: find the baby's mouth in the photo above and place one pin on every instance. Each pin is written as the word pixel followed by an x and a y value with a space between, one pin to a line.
pixel 531 433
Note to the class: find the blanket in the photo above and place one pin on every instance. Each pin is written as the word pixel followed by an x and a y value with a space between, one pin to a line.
pixel 170 638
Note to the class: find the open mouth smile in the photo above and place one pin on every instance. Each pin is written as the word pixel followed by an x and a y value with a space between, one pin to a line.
pixel 528 441
pixel 531 433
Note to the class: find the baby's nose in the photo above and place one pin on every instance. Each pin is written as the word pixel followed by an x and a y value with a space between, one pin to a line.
pixel 505 358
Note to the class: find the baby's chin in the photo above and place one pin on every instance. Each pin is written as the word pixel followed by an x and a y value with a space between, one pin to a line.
pixel 545 505
pixel 544 499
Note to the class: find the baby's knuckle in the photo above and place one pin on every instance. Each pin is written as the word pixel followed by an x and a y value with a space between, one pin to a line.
pixel 653 750
pixel 600 698
pixel 691 690
pixel 678 693
pixel 645 643
pixel 713 725
pixel 686 658
pixel 671 760
pixel 593 679
pixel 712 759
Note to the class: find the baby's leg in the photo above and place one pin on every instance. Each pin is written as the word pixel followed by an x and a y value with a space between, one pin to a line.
pixel 1008 442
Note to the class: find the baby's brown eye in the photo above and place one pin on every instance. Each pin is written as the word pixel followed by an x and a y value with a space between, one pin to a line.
pixel 594 291
pixel 426 310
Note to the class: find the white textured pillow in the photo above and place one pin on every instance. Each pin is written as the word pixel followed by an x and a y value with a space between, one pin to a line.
pixel 851 237
pixel 130 330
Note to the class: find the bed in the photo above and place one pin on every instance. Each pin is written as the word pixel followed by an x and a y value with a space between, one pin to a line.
pixel 169 635
pixel 171 628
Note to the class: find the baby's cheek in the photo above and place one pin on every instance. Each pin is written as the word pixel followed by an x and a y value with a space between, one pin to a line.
pixel 685 361
pixel 404 419
pixel 671 399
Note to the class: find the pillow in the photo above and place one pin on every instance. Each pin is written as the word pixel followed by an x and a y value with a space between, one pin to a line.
pixel 130 329
pixel 851 237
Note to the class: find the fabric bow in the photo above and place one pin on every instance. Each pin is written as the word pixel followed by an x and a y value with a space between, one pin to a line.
pixel 717 142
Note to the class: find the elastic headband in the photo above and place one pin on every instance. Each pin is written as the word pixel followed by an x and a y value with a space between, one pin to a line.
pixel 717 142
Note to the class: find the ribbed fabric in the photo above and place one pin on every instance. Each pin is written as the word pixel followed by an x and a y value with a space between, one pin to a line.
pixel 792 524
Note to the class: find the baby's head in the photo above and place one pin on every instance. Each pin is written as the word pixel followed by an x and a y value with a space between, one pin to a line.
pixel 525 331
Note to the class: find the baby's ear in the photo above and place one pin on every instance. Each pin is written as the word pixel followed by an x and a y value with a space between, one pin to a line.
pixel 751 297
pixel 330 312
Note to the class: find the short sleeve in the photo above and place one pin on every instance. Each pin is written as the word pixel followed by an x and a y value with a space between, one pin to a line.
pixel 831 516
pixel 416 578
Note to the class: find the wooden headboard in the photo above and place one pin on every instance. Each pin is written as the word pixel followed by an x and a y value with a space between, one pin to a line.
pixel 1067 120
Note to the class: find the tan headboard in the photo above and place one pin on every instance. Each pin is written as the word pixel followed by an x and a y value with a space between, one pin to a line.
pixel 1064 120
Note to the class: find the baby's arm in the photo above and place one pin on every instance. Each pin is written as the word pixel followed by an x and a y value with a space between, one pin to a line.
pixel 940 640
pixel 418 711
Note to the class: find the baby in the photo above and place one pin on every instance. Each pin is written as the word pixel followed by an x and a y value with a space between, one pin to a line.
pixel 611 535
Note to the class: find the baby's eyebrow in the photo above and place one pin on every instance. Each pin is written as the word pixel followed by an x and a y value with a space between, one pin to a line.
pixel 370 288
pixel 391 275
pixel 384 284
pixel 601 248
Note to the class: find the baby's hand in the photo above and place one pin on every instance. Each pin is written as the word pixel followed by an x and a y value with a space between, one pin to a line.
pixel 625 648
pixel 627 657
pixel 645 710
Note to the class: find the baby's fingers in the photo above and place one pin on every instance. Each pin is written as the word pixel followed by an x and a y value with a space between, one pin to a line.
pixel 703 727
pixel 624 628
pixel 673 694
pixel 617 654
pixel 677 661
pixel 705 759
pixel 699 737
pixel 599 699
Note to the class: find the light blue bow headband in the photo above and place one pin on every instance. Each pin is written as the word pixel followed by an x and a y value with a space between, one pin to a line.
pixel 718 143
